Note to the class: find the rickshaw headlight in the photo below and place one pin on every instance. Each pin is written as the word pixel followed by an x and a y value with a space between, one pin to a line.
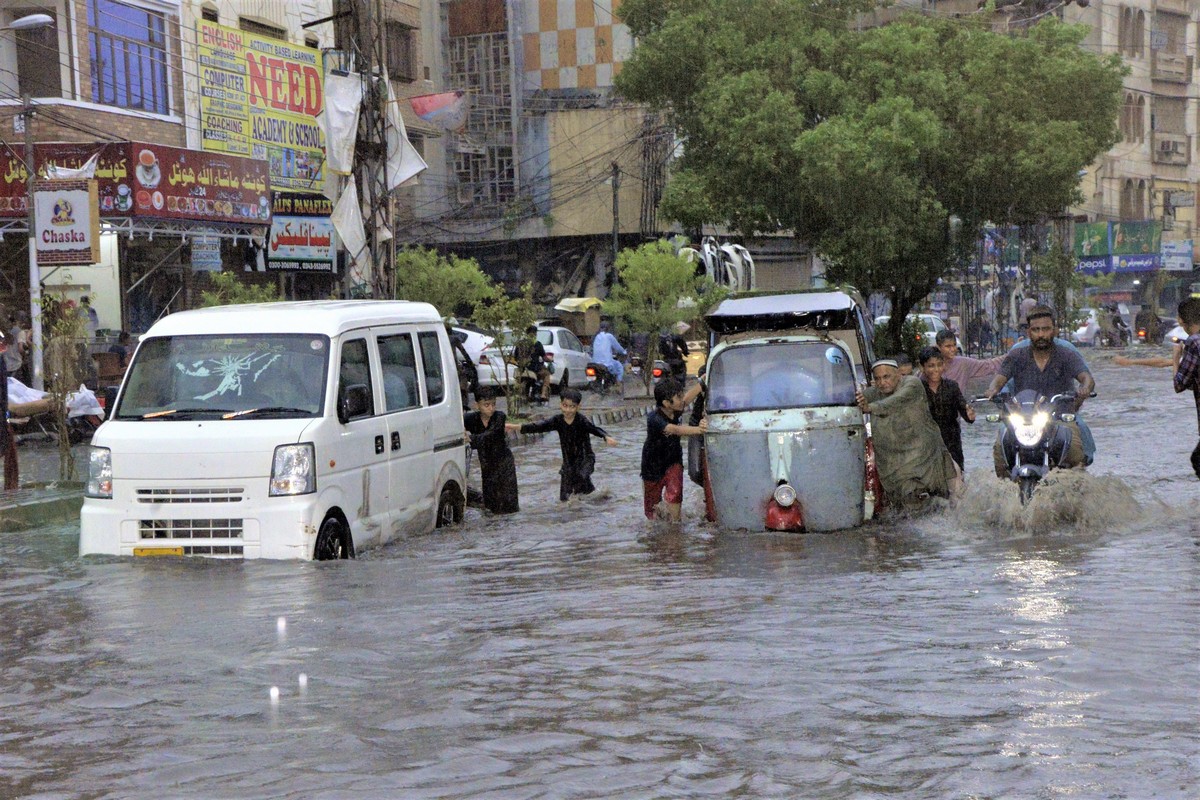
pixel 785 495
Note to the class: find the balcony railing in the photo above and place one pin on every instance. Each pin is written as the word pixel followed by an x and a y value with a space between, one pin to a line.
pixel 1172 67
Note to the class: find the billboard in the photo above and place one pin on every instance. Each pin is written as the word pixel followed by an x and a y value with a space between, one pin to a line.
pixel 260 97
pixel 141 179
pixel 68 225
pixel 302 236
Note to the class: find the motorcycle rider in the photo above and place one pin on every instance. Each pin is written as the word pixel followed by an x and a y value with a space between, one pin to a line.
pixel 605 349
pixel 1048 368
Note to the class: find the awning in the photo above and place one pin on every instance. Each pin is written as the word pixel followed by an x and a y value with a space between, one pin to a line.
pixel 578 305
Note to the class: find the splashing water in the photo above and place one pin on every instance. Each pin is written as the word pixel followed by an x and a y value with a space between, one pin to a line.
pixel 1065 499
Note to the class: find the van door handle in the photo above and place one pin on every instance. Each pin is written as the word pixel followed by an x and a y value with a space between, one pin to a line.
pixel 378 445
pixel 395 440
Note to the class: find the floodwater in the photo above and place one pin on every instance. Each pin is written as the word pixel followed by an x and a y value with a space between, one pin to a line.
pixel 576 652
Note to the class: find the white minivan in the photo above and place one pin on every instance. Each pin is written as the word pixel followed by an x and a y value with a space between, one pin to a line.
pixel 280 430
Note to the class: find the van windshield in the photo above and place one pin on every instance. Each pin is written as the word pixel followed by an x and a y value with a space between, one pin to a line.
pixel 780 375
pixel 261 376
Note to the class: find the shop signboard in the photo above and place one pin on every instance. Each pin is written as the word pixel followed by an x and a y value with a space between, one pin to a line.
pixel 260 97
pixel 206 253
pixel 302 236
pixel 68 226
pixel 141 179
pixel 1091 239
pixel 1137 262
pixel 1177 255
pixel 1136 238
pixel 1093 265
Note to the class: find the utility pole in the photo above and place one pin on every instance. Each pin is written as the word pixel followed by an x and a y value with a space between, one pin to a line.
pixel 35 275
pixel 616 184
pixel 370 152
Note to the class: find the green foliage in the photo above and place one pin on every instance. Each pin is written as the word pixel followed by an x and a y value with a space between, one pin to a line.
pixel 908 340
pixel 883 134
pixel 227 289
pixel 1058 267
pixel 506 319
pixel 67 364
pixel 651 282
pixel 455 286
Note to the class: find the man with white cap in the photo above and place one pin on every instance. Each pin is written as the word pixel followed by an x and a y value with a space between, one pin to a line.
pixel 912 458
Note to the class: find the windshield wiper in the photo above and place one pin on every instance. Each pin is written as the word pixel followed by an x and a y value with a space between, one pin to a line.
pixel 172 412
pixel 266 410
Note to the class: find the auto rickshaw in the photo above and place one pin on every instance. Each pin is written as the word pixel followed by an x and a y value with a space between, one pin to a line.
pixel 786 447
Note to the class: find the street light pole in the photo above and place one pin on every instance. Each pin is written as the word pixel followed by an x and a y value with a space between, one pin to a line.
pixel 35 275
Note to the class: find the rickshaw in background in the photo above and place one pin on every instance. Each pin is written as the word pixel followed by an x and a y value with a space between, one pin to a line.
pixel 786 447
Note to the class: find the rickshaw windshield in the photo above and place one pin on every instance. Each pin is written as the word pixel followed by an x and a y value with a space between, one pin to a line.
pixel 780 375
pixel 226 377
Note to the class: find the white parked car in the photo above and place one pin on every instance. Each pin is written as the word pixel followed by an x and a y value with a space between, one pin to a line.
pixel 568 353
pixel 933 325
pixel 489 365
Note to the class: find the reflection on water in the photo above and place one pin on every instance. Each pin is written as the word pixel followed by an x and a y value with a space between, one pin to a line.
pixel 575 651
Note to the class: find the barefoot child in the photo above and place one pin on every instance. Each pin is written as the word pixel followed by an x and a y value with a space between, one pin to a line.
pixel 486 433
pixel 662 454
pixel 946 402
pixel 574 430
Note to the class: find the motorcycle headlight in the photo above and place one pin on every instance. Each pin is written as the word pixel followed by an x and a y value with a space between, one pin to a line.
pixel 1029 432
pixel 293 470
pixel 99 481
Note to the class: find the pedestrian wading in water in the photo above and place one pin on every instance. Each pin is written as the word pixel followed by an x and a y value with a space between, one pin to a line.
pixel 574 432
pixel 1187 365
pixel 946 402
pixel 662 454
pixel 485 432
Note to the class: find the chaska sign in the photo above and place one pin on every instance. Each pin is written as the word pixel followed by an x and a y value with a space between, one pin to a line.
pixel 260 97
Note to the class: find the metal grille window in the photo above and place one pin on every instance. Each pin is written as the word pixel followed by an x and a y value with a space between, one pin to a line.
pixel 482 157
pixel 128 49
pixel 262 28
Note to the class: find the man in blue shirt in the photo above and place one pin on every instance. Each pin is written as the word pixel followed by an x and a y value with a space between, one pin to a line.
pixel 1048 368
pixel 605 349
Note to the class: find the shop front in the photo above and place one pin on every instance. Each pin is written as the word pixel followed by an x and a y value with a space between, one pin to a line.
pixel 166 213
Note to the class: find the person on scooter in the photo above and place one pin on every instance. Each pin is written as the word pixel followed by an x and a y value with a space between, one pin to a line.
pixel 1048 368
pixel 605 349
pixel 530 356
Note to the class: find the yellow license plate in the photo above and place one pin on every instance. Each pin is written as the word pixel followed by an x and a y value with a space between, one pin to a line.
pixel 158 551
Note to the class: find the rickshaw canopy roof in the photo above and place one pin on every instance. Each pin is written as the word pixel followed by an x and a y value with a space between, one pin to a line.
pixel 578 304
pixel 820 310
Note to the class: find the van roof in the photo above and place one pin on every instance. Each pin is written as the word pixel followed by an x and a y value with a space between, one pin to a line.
pixel 329 317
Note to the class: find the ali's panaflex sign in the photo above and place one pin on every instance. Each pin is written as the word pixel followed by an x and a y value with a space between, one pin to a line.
pixel 260 97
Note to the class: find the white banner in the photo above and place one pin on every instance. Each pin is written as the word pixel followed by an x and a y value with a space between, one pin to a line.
pixel 343 100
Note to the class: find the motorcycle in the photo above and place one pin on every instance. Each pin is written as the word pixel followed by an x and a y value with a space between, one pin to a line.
pixel 635 365
pixel 1036 437
pixel 600 378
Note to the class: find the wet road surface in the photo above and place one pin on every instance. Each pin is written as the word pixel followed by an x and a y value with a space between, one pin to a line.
pixel 575 651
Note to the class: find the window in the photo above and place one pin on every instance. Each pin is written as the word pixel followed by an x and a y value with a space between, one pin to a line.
pixel 355 371
pixel 1139 120
pixel 431 356
pixel 39 73
pixel 400 62
pixel 781 375
pixel 128 49
pixel 210 14
pixel 399 366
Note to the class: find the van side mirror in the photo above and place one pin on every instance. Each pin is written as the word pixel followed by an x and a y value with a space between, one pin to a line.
pixel 353 401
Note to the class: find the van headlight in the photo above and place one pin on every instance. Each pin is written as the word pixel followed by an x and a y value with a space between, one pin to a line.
pixel 293 470
pixel 99 480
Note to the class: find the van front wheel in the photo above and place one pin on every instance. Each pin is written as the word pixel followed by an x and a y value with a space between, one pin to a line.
pixel 451 507
pixel 333 541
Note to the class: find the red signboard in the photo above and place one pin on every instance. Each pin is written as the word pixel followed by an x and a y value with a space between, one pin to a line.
pixel 139 179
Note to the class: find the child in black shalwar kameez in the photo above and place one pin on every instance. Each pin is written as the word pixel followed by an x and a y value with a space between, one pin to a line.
pixel 486 434
pixel 946 402
pixel 574 431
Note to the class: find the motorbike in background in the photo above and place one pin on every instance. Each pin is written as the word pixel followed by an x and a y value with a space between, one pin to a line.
pixel 600 379
pixel 1036 437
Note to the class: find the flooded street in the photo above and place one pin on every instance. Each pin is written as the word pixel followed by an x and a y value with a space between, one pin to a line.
pixel 574 651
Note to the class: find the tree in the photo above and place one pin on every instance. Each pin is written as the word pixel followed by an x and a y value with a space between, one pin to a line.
pixel 227 289
pixel 455 286
pixel 655 289
pixel 506 319
pixel 866 143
